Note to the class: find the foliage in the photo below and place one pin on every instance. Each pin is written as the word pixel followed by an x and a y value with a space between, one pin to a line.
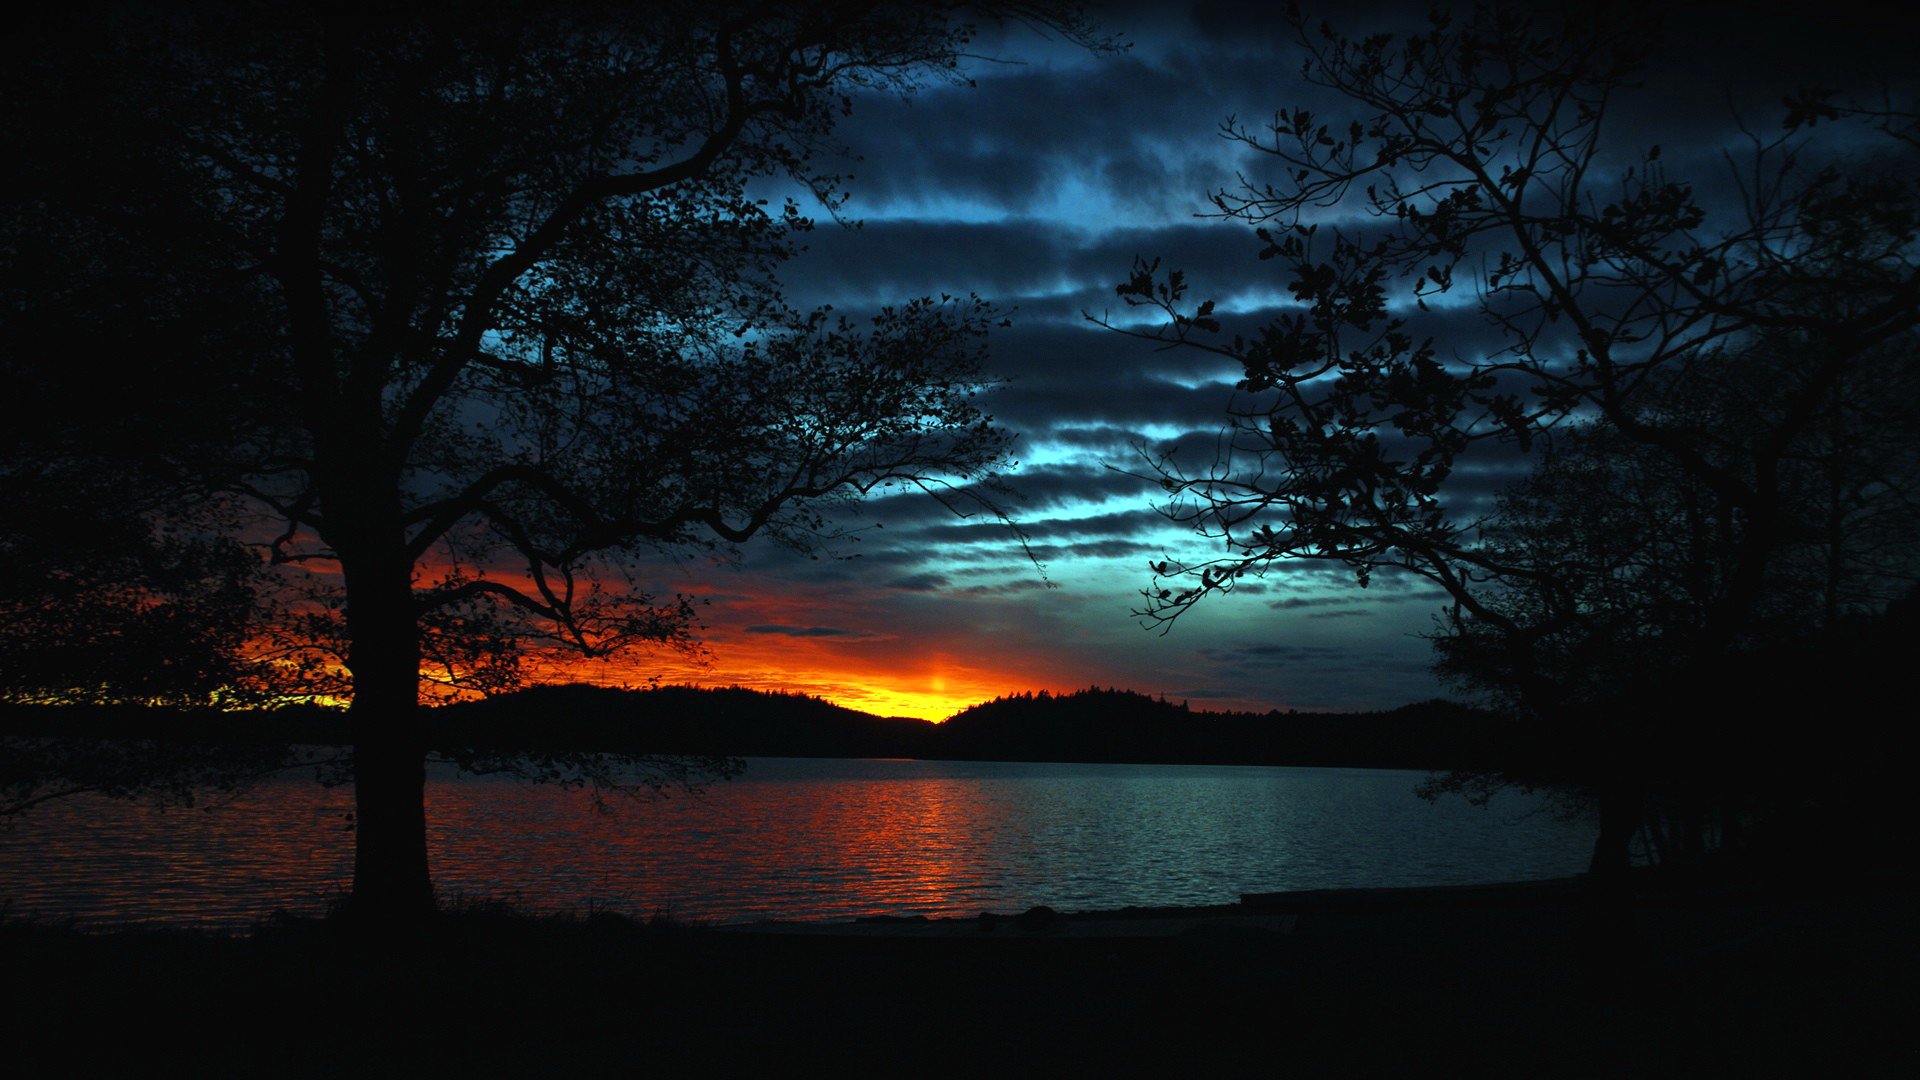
pixel 1634 553
pixel 97 607
pixel 510 272
pixel 1476 159
pixel 482 304
pixel 1710 382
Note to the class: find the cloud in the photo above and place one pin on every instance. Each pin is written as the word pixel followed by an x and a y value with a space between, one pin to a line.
pixel 925 581
pixel 1098 549
pixel 1387 587
pixel 1284 653
pixel 804 631
pixel 1037 189
pixel 1207 693
pixel 1034 142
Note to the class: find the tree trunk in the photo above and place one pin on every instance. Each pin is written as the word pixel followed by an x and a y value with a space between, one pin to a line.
pixel 1619 820
pixel 390 877
pixel 1608 943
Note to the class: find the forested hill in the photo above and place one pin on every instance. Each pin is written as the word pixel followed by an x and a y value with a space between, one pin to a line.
pixel 679 720
pixel 1121 725
pixel 1095 725
pixel 1088 725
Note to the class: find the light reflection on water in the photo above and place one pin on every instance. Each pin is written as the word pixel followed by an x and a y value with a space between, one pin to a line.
pixel 803 839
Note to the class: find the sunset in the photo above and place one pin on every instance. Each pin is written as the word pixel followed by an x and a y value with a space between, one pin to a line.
pixel 1027 538
pixel 1036 188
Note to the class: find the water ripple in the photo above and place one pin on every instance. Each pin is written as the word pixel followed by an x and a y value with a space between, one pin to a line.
pixel 802 839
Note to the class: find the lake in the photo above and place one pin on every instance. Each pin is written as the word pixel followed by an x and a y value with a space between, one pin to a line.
pixel 800 839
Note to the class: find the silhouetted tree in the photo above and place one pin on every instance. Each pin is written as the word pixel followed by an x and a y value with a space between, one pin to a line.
pixel 1630 555
pixel 1474 161
pixel 483 299
pixel 98 606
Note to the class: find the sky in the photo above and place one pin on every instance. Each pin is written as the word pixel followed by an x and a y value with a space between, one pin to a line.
pixel 1036 187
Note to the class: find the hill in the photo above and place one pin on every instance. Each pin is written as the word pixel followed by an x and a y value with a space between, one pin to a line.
pixel 1121 725
pixel 677 720
pixel 1095 725
pixel 1098 725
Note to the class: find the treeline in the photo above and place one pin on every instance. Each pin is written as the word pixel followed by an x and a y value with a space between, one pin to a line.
pixel 1111 725
pixel 314 725
pixel 676 720
pixel 1093 725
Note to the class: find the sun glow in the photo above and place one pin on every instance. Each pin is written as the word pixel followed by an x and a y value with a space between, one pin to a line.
pixel 932 687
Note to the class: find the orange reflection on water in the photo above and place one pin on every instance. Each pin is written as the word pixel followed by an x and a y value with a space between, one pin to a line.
pixel 792 838
pixel 770 845
pixel 285 844
pixel 797 838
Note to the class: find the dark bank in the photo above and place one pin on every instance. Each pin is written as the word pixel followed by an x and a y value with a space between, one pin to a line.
pixel 1748 977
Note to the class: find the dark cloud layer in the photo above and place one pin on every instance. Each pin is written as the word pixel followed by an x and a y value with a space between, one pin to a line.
pixel 804 631
pixel 1037 188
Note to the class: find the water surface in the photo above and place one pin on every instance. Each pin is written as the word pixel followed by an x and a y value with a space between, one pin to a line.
pixel 800 839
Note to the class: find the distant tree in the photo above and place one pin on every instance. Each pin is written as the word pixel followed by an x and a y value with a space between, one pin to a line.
pixel 1666 525
pixel 98 606
pixel 482 305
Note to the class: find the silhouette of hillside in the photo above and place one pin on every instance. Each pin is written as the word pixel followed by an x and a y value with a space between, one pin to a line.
pixel 1098 724
pixel 677 720
pixel 1093 725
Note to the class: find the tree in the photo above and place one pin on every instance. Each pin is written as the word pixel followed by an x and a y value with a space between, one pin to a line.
pixel 1632 553
pixel 1477 162
pixel 98 606
pixel 486 300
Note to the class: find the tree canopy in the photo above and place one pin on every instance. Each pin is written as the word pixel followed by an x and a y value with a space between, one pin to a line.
pixel 1706 382
pixel 466 311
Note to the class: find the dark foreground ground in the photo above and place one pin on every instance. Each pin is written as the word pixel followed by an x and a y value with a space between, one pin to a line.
pixel 1747 979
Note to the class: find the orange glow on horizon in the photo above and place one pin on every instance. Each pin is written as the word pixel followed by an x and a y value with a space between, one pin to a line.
pixel 935 691
pixel 820 641
pixel 931 687
pixel 835 643
pixel 887 674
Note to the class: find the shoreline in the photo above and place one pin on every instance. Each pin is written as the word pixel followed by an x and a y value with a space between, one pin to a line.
pixel 1272 912
pixel 1644 887
pixel 1756 977
pixel 1038 920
